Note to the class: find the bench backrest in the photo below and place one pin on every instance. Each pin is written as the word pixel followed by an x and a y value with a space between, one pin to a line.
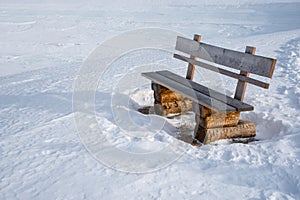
pixel 209 55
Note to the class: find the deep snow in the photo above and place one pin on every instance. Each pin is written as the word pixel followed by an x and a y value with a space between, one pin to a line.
pixel 43 46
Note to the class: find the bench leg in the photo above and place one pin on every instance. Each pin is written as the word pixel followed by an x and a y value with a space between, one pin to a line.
pixel 212 126
pixel 207 118
pixel 243 129
pixel 168 102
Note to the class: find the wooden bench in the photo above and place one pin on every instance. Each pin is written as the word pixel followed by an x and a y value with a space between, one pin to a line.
pixel 217 115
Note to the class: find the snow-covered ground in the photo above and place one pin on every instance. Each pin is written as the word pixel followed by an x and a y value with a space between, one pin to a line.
pixel 43 46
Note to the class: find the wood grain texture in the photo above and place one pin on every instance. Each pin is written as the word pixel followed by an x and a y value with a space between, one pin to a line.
pixel 167 101
pixel 216 119
pixel 189 92
pixel 244 129
pixel 217 115
pixel 240 106
pixel 259 65
pixel 242 85
pixel 222 71
pixel 191 67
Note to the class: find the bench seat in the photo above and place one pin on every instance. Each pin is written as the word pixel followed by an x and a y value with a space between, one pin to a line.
pixel 198 93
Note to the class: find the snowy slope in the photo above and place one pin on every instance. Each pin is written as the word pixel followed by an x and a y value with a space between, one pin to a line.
pixel 43 46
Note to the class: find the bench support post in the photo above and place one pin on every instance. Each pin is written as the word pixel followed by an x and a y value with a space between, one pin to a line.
pixel 243 129
pixel 241 85
pixel 168 102
pixel 208 118
pixel 212 126
pixel 191 67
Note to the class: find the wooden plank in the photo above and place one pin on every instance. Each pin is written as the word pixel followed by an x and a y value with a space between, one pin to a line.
pixel 240 106
pixel 222 71
pixel 242 85
pixel 216 119
pixel 244 129
pixel 189 93
pixel 191 68
pixel 259 65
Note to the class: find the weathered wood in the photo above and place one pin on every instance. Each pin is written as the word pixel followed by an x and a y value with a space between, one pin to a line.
pixel 191 67
pixel 173 102
pixel 190 93
pixel 222 71
pixel 242 130
pixel 259 65
pixel 240 106
pixel 217 115
pixel 208 118
pixel 242 85
pixel 169 102
pixel 215 120
pixel 158 90
pixel 175 107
